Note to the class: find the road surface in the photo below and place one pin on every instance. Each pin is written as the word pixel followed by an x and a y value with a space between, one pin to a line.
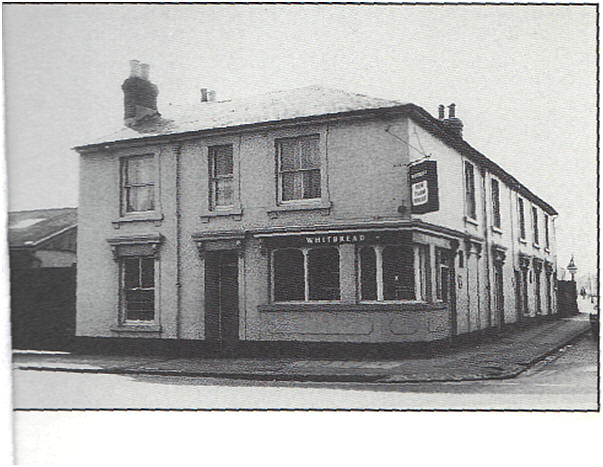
pixel 565 380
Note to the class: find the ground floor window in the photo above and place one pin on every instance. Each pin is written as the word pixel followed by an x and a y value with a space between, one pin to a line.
pixel 305 274
pixel 392 272
pixel 138 288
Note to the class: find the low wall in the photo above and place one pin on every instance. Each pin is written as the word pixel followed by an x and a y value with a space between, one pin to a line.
pixel 416 322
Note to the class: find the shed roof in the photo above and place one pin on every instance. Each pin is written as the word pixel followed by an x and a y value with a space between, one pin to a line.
pixel 31 228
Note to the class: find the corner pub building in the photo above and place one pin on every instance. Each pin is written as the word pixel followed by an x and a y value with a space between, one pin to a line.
pixel 304 216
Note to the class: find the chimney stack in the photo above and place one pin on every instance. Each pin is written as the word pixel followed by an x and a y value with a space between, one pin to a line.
pixel 441 111
pixel 140 95
pixel 208 95
pixel 452 123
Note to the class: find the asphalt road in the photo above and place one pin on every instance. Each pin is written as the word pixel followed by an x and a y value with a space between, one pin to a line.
pixel 566 380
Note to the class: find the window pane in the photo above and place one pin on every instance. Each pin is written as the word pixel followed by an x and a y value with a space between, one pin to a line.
pixel 140 198
pixel 398 273
pixel 288 154
pixel 323 273
pixel 222 160
pixel 288 275
pixel 140 305
pixel 368 274
pixel 147 266
pixel 139 170
pixel 223 192
pixel 470 189
pixel 311 184
pixel 292 186
pixel 310 156
pixel 522 220
pixel 496 203
pixel 131 278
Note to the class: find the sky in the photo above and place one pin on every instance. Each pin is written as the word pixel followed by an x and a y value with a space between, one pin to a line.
pixel 523 79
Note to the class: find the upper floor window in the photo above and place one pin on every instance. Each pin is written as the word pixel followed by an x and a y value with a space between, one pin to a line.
pixel 221 190
pixel 522 219
pixel 392 272
pixel 298 161
pixel 470 191
pixel 535 225
pixel 547 242
pixel 495 203
pixel 138 184
pixel 138 288
pixel 305 274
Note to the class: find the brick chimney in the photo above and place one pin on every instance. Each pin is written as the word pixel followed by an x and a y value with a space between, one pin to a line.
pixel 208 95
pixel 452 123
pixel 140 95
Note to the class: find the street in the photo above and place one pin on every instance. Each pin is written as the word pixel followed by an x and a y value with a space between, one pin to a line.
pixel 566 380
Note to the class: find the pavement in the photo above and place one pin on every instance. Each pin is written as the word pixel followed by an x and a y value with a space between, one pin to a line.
pixel 496 357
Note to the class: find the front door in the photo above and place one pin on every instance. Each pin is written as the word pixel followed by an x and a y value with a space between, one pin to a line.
pixel 222 298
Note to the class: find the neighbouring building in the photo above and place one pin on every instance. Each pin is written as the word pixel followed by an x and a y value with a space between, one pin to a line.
pixel 309 215
pixel 42 253
pixel 42 238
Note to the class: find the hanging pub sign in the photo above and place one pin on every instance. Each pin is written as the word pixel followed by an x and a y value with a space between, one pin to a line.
pixel 424 187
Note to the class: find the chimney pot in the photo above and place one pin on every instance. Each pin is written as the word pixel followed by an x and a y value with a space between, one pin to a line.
pixel 203 94
pixel 451 110
pixel 144 71
pixel 134 69
pixel 441 111
pixel 211 96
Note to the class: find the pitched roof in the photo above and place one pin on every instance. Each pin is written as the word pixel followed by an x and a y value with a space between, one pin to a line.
pixel 30 228
pixel 297 105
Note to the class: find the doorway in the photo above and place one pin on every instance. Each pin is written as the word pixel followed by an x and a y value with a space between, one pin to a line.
pixel 222 298
pixel 499 295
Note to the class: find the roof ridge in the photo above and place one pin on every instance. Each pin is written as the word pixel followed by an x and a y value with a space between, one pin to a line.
pixel 41 209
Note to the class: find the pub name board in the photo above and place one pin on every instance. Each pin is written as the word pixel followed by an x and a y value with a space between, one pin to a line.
pixel 340 238
pixel 424 194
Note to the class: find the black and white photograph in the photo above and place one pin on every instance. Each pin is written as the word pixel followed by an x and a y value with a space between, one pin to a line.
pixel 306 207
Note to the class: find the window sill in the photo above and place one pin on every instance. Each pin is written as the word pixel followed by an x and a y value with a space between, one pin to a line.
pixel 322 206
pixel 497 230
pixel 139 217
pixel 523 240
pixel 536 245
pixel 547 250
pixel 234 212
pixel 126 327
pixel 363 306
pixel 470 220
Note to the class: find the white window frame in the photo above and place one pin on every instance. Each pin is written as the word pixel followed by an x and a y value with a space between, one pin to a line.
pixel 122 184
pixel 496 206
pixel 212 179
pixel 279 172
pixel 471 216
pixel 122 299
pixel 419 273
pixel 521 206
pixel 305 251
pixel 535 227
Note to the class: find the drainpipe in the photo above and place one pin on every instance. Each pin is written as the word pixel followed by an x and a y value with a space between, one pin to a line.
pixel 177 152
pixel 487 246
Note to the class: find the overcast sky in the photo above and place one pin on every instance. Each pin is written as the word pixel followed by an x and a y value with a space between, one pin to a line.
pixel 523 79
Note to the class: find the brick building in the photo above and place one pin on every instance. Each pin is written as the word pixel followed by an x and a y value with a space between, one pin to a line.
pixel 309 215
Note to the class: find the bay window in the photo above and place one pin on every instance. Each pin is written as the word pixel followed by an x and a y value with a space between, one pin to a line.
pixel 392 272
pixel 305 274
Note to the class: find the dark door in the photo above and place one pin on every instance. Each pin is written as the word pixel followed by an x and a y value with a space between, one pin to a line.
pixel 499 295
pixel 518 302
pixel 222 298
